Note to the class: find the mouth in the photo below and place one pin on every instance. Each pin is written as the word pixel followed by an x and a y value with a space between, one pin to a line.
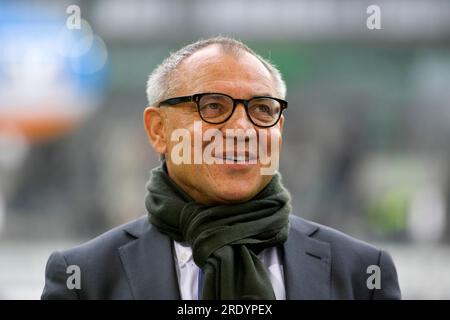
pixel 241 158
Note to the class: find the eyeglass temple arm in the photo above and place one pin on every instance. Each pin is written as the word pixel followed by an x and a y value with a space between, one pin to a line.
pixel 174 101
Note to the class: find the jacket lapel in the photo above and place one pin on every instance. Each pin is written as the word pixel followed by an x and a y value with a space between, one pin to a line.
pixel 307 265
pixel 149 264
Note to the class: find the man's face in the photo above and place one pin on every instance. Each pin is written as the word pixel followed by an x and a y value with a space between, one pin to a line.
pixel 211 70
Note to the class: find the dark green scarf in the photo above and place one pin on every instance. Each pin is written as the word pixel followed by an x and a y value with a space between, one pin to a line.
pixel 225 239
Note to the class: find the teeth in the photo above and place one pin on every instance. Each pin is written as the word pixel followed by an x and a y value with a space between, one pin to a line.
pixel 238 158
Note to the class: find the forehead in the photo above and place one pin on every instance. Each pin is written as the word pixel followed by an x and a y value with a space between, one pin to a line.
pixel 213 70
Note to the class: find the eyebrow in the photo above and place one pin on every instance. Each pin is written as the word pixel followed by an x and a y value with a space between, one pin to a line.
pixel 262 95
pixel 251 97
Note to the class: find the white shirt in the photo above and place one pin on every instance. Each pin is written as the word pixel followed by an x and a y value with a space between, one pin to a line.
pixel 188 271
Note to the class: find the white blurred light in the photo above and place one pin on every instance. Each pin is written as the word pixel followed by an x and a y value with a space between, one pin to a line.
pixel 427 216
pixel 73 43
pixel 98 60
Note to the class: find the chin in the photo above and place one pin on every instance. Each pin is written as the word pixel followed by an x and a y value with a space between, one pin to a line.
pixel 238 187
pixel 235 198
pixel 235 195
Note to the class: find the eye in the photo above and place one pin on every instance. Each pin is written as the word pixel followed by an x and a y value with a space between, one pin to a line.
pixel 263 108
pixel 212 110
pixel 213 106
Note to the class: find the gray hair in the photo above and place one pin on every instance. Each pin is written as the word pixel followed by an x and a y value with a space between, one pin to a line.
pixel 160 84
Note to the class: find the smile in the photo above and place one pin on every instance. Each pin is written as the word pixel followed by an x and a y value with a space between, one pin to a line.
pixel 238 149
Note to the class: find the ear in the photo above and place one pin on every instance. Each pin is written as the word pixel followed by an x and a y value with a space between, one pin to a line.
pixel 154 123
pixel 281 123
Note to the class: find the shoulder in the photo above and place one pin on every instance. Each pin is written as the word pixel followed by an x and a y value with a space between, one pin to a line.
pixel 352 262
pixel 98 262
pixel 102 252
pixel 108 242
pixel 338 241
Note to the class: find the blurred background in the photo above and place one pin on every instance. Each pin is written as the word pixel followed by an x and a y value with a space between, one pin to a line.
pixel 367 134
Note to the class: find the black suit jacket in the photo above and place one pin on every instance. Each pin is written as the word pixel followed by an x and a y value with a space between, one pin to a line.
pixel 135 261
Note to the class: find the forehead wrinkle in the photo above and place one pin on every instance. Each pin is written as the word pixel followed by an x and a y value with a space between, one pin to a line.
pixel 212 66
pixel 230 67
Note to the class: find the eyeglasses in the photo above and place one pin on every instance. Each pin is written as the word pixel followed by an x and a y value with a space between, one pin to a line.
pixel 216 108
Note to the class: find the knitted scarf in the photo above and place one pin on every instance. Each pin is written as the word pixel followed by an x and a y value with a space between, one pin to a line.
pixel 225 239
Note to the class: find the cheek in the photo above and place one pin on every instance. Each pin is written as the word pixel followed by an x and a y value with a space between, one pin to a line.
pixel 271 138
pixel 277 137
pixel 179 129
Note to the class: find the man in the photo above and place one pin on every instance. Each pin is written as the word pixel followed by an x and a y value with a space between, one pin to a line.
pixel 219 223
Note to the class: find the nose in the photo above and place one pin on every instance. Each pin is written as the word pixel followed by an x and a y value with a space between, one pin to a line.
pixel 239 118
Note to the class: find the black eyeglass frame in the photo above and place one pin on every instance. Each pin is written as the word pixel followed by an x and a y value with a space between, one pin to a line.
pixel 196 99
